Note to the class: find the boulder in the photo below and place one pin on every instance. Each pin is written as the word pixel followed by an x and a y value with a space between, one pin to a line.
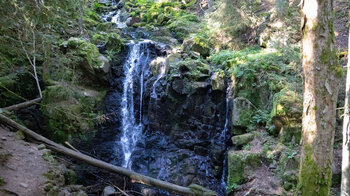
pixel 108 190
pixel 239 163
pixel 217 81
pixel 286 114
pixel 242 112
pixel 241 140
pixel 104 65
pixel 192 45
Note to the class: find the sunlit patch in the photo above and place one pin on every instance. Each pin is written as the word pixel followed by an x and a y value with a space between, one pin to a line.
pixel 310 9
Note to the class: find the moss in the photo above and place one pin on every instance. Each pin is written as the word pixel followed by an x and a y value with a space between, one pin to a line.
pixel 70 177
pixel 4 157
pixel 2 181
pixel 238 165
pixel 240 140
pixel 84 49
pixel 68 111
pixel 16 87
pixel 314 179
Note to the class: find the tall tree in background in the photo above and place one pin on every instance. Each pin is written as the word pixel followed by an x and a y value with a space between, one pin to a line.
pixel 321 72
pixel 345 177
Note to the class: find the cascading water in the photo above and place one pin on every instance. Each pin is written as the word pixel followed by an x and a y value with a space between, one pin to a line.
pixel 223 138
pixel 135 64
pixel 115 17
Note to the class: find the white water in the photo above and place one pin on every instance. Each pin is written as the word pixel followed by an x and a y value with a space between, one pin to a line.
pixel 131 129
pixel 160 61
pixel 223 137
pixel 116 18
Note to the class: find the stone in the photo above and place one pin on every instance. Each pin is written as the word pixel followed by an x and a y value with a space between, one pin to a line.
pixel 239 163
pixel 41 147
pixel 104 64
pixel 108 190
pixel 191 45
pixel 24 185
pixel 20 135
pixel 3 138
pixel 217 81
pixel 242 112
pixel 241 140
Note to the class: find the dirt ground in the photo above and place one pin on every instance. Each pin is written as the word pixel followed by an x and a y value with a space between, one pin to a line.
pixel 21 166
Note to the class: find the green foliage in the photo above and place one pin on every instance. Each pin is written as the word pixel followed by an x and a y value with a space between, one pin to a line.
pixel 232 187
pixel 2 181
pixel 17 87
pixel 68 111
pixel 170 14
pixel 259 75
pixel 4 157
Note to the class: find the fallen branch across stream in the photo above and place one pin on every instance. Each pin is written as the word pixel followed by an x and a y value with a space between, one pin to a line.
pixel 22 105
pixel 192 190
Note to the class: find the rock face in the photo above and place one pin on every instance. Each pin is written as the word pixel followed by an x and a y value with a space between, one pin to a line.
pixel 183 119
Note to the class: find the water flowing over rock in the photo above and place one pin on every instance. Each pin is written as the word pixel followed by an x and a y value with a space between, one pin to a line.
pixel 164 117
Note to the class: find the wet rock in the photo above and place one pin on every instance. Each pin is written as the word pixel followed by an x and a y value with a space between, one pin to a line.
pixel 108 190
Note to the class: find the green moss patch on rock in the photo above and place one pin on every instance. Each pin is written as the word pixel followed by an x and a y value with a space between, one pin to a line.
pixel 69 111
pixel 286 114
pixel 240 163
pixel 240 140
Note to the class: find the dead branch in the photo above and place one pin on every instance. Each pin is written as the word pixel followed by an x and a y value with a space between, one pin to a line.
pixel 22 105
pixel 136 177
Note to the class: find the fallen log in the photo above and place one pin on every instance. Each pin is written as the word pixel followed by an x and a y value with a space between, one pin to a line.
pixel 136 177
pixel 22 105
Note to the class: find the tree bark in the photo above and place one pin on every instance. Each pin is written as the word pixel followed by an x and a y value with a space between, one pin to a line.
pixel 345 177
pixel 322 74
pixel 135 177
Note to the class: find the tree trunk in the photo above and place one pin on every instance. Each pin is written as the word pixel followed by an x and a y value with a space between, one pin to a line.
pixel 192 190
pixel 322 74
pixel 345 177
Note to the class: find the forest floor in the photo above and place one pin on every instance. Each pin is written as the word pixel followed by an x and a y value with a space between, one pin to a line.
pixel 341 8
pixel 21 166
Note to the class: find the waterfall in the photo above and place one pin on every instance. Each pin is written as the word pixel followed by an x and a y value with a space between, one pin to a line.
pixel 135 65
pixel 116 20
pixel 223 138
pixel 115 17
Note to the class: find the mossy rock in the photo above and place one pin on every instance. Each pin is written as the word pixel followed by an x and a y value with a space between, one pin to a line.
pixel 239 163
pixel 217 81
pixel 241 140
pixel 70 177
pixel 67 112
pixel 84 49
pixel 286 114
pixel 198 45
pixel 243 112
pixel 111 41
pixel 91 61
